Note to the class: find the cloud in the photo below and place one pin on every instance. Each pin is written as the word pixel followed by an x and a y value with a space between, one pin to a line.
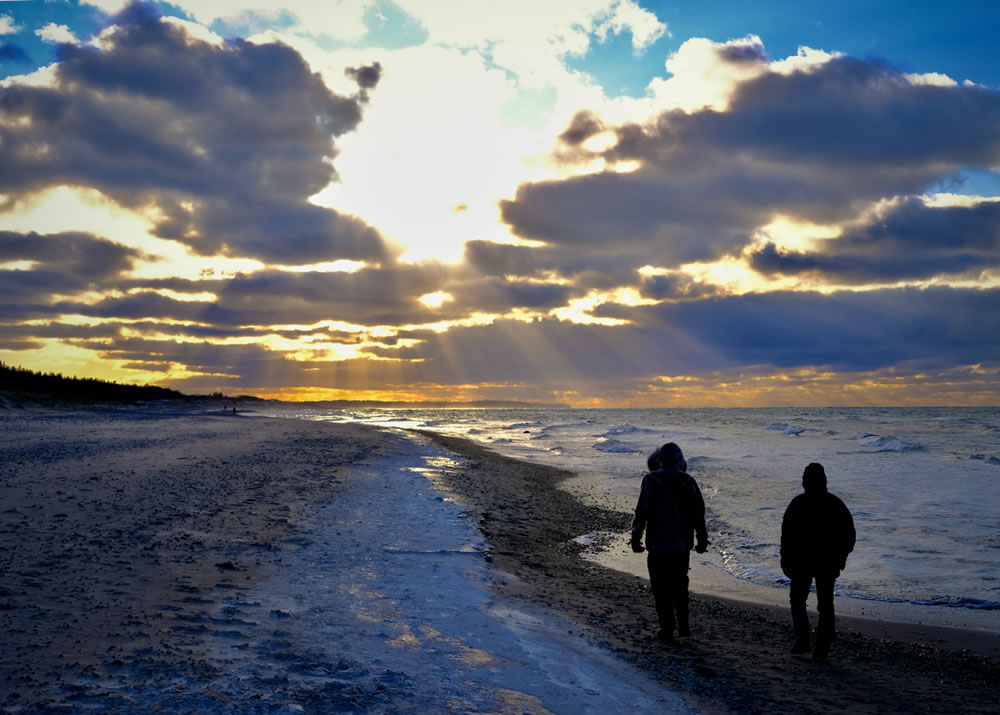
pixel 224 143
pixel 910 241
pixel 496 295
pixel 369 297
pixel 62 264
pixel 533 50
pixel 340 20
pixel 8 26
pixel 822 144
pixel 584 125
pixel 643 25
pixel 501 259
pixel 934 327
pixel 56 34
pixel 367 76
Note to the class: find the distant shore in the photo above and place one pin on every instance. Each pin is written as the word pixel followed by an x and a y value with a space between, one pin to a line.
pixel 738 659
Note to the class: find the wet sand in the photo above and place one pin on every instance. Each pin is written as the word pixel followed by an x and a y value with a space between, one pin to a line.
pixel 737 659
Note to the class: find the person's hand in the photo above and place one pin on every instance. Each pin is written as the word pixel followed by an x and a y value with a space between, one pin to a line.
pixel 787 571
pixel 702 546
pixel 637 547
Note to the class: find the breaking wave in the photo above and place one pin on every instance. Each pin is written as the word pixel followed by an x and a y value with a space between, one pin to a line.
pixel 616 446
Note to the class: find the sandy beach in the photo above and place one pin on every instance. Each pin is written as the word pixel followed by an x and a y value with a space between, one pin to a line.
pixel 153 560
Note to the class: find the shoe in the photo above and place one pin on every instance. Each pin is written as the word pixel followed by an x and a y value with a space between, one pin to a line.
pixel 800 649
pixel 665 638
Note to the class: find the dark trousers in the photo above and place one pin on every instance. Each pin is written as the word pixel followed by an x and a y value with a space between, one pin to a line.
pixel 801 581
pixel 668 575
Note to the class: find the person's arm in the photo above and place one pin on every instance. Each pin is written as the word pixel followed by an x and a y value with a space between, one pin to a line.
pixel 641 515
pixel 850 535
pixel 786 539
pixel 698 518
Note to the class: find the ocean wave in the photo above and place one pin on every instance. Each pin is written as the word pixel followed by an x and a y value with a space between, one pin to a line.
pixel 522 425
pixel 891 444
pixel 625 429
pixel 988 460
pixel 616 446
pixel 568 425
pixel 791 430
pixel 862 435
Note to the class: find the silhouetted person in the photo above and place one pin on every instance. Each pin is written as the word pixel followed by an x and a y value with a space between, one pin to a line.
pixel 817 534
pixel 671 511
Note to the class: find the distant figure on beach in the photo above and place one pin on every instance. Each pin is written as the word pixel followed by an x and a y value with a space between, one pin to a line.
pixel 671 511
pixel 817 534
pixel 234 409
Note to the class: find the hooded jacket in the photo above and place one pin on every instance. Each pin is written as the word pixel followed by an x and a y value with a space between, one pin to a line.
pixel 817 532
pixel 670 510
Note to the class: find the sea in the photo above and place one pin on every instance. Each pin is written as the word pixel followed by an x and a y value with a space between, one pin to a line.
pixel 923 485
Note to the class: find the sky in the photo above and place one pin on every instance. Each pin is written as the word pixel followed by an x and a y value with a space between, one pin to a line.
pixel 603 203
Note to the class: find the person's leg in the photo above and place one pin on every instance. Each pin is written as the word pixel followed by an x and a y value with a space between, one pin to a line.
pixel 797 595
pixel 660 581
pixel 824 600
pixel 680 562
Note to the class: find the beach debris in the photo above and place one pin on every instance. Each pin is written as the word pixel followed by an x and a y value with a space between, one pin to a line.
pixel 227 566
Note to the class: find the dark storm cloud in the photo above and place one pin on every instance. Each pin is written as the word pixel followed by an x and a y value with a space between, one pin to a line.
pixel 367 76
pixel 501 259
pixel 820 145
pixel 602 268
pixel 741 53
pixel 674 287
pixel 64 263
pixel 74 253
pixel 583 126
pixel 912 241
pixel 24 336
pixel 234 360
pixel 848 330
pixel 227 142
pixel 497 295
pixel 386 296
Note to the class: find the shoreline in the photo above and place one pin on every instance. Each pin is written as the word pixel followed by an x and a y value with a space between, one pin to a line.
pixel 711 581
pixel 738 658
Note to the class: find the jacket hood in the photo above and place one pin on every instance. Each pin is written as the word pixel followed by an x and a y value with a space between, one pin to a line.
pixel 671 458
pixel 814 478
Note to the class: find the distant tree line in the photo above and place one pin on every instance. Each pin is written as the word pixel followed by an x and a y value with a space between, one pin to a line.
pixel 22 380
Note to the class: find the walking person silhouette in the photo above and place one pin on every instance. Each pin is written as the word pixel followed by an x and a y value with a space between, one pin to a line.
pixel 671 511
pixel 817 534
